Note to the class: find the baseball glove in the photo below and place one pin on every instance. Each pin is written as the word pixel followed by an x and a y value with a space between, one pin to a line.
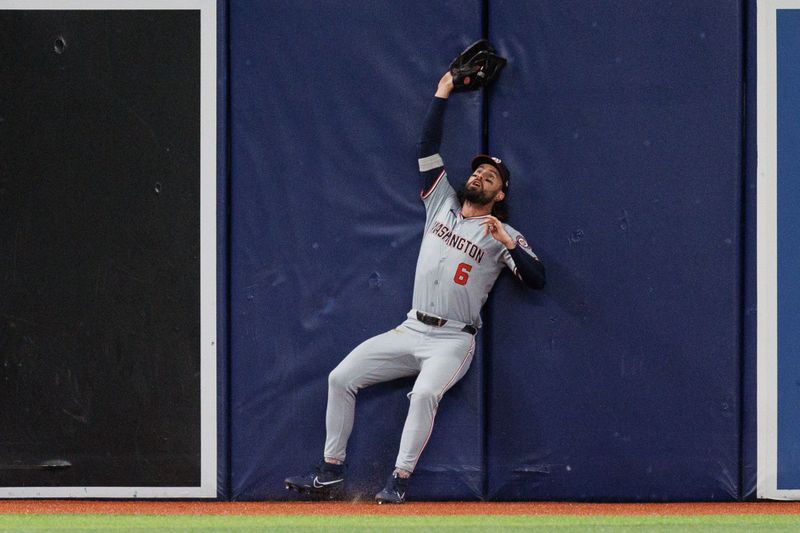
pixel 476 67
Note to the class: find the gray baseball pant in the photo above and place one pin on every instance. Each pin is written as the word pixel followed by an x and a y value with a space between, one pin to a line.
pixel 439 355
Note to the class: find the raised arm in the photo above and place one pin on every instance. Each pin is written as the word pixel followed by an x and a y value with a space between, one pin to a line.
pixel 430 162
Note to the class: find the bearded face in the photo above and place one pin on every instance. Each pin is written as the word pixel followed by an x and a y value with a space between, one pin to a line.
pixel 482 186
pixel 477 196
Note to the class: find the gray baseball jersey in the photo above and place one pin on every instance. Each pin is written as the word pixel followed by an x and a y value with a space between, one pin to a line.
pixel 458 261
pixel 457 267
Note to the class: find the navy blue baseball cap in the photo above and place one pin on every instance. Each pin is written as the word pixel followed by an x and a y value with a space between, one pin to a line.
pixel 497 163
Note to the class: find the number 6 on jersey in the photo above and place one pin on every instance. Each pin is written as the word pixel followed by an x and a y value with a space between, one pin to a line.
pixel 462 273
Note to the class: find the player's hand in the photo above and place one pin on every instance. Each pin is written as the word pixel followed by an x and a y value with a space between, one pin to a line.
pixel 445 85
pixel 495 228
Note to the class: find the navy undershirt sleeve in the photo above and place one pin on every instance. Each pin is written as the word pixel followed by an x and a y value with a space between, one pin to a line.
pixel 431 139
pixel 530 269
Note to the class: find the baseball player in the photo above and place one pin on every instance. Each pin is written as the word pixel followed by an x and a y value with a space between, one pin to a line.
pixel 465 246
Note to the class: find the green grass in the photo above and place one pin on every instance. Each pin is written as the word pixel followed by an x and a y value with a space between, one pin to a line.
pixel 206 523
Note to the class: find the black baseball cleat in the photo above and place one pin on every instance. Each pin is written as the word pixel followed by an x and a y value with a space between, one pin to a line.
pixel 326 481
pixel 394 491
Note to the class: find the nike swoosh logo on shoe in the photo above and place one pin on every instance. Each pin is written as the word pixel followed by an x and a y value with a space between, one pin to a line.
pixel 320 484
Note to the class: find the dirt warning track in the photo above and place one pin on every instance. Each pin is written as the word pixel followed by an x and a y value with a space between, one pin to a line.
pixel 412 508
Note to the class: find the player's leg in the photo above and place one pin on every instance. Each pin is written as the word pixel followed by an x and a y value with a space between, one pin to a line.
pixel 382 358
pixel 444 359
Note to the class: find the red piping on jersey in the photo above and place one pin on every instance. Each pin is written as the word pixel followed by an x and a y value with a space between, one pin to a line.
pixel 424 194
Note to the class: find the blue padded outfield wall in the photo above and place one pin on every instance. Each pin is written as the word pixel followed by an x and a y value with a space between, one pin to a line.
pixel 622 125
pixel 223 266
pixel 326 228
pixel 788 29
pixel 624 129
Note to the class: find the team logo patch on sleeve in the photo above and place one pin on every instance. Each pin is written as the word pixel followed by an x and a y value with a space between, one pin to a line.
pixel 522 242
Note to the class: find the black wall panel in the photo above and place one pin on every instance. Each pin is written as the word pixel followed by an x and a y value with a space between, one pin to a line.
pixel 99 247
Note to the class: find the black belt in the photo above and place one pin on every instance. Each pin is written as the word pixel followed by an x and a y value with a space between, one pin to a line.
pixel 439 322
